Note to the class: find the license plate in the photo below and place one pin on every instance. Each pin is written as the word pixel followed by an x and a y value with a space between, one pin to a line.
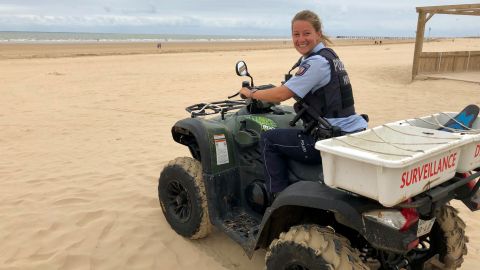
pixel 424 226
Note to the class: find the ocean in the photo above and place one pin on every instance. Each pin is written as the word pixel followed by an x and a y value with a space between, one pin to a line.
pixel 65 37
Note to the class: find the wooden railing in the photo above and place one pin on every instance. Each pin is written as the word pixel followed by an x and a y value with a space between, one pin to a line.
pixel 446 62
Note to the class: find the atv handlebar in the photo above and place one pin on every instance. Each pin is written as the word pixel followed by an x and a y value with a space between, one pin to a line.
pixel 244 84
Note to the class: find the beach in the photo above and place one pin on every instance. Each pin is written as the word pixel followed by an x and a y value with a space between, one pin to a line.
pixel 86 130
pixel 22 50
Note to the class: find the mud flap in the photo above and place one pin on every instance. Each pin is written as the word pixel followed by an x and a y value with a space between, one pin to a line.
pixel 473 203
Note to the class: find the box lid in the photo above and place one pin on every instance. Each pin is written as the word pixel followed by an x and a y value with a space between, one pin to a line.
pixel 393 146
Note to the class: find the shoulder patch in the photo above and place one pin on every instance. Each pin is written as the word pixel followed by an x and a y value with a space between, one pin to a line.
pixel 302 69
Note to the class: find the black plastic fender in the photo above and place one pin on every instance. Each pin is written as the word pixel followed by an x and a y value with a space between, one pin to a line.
pixel 317 195
pixel 200 134
pixel 189 127
pixel 345 207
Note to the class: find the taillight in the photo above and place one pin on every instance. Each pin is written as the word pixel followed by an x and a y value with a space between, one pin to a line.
pixel 411 217
pixel 400 220
pixel 472 183
pixel 413 244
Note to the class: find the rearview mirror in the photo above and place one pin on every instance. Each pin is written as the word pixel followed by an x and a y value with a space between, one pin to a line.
pixel 241 69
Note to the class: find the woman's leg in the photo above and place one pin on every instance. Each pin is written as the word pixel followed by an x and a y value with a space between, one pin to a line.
pixel 279 145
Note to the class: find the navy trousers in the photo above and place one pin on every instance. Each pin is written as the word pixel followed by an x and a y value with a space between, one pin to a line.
pixel 279 145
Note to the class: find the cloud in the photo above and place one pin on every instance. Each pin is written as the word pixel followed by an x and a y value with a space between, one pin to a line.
pixel 107 9
pixel 270 17
pixel 122 20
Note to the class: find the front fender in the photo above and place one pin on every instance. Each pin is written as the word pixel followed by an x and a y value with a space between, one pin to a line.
pixel 200 134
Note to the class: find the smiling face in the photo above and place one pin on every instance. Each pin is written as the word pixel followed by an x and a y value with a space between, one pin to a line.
pixel 304 36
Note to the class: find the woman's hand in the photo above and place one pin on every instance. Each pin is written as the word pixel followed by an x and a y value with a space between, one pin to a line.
pixel 247 93
pixel 275 94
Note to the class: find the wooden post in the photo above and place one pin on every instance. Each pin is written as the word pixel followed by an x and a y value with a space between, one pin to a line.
pixel 418 41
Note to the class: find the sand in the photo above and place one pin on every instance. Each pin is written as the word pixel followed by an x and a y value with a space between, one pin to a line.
pixel 84 138
pixel 10 50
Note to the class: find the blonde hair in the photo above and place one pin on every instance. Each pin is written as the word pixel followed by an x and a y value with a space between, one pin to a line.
pixel 314 20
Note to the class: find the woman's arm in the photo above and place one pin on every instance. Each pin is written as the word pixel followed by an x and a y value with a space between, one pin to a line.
pixel 276 94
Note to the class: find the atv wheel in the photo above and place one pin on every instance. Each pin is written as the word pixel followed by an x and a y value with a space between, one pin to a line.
pixel 181 192
pixel 447 239
pixel 311 247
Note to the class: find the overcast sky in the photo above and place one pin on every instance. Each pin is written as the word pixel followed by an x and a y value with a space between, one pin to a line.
pixel 225 17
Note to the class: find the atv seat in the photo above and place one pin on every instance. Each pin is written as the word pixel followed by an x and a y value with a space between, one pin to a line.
pixel 298 171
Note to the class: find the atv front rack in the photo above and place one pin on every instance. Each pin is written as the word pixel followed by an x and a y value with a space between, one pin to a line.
pixel 203 109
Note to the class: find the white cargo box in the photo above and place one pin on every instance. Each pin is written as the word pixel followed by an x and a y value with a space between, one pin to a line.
pixel 470 153
pixel 390 163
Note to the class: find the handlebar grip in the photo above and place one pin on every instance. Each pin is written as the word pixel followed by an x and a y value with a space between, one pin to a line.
pixel 247 85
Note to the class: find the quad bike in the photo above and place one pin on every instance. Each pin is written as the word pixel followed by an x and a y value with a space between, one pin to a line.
pixel 308 225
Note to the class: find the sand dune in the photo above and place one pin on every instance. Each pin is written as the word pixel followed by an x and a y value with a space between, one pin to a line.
pixel 84 138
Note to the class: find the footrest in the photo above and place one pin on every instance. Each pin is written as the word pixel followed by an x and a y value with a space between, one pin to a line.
pixel 241 224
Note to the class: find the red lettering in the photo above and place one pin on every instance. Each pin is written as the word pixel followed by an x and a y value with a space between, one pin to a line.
pixel 403 179
pixel 439 168
pixel 409 179
pixel 430 173
pixel 477 150
pixel 425 171
pixel 445 163
pixel 414 175
pixel 428 170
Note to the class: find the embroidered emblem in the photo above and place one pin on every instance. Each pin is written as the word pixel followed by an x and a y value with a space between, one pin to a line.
pixel 302 69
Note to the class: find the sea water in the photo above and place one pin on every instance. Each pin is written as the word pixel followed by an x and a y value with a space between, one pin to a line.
pixel 67 37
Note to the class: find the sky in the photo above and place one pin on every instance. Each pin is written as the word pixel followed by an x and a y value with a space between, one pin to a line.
pixel 226 17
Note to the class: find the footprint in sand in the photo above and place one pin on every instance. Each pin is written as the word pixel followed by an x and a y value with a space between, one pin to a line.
pixel 42 256
pixel 55 73
pixel 89 217
pixel 70 201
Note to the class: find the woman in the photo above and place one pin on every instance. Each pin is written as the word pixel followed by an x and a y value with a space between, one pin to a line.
pixel 321 82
